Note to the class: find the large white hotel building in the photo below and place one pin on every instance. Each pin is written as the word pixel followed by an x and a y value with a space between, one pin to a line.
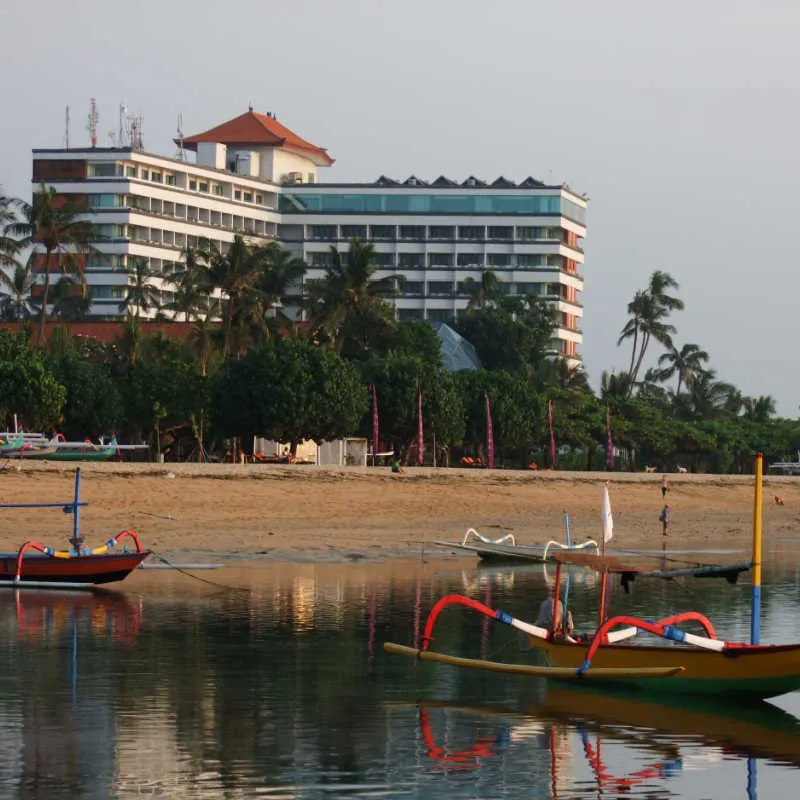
pixel 253 176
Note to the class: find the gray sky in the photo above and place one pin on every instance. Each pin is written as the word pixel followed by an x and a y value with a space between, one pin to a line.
pixel 678 119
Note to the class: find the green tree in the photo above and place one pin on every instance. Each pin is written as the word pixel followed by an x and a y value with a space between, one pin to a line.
pixel 30 390
pixel 9 246
pixel 648 312
pixel 70 300
pixel 759 409
pixel 93 406
pixel 52 225
pixel 16 289
pixel 289 390
pixel 483 293
pixel 686 363
pixel 235 273
pixel 348 305
pixel 141 294
pixel 192 286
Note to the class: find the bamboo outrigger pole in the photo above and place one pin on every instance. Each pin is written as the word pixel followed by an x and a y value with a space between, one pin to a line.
pixel 755 608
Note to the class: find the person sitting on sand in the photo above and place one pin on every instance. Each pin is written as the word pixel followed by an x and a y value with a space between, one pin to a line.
pixel 396 465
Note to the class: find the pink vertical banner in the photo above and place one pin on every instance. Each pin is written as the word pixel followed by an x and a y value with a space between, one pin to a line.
pixel 420 451
pixel 489 435
pixel 552 436
pixel 375 426
pixel 609 443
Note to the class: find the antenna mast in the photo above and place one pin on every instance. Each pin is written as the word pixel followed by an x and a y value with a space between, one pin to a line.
pixel 66 128
pixel 93 119
pixel 181 155
pixel 123 130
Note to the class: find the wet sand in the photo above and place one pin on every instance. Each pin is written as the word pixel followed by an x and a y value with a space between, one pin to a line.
pixel 303 513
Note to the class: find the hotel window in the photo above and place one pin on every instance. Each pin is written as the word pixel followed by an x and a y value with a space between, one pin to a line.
pixel 440 315
pixel 354 232
pixel 107 292
pixel 203 187
pixel 145 175
pixel 405 314
pixel 193 186
pixel 105 170
pixel 311 177
pixel 260 199
pixel 384 259
pixel 248 197
pixel 326 233
pixel 503 232
pixel 443 232
pixel 237 195
pixel 412 232
pixel 499 260
pixel 555 261
pixel 156 177
pixel 322 259
pixel 471 232
pixel 440 259
pixel 440 288
pixel 382 231
pixel 104 200
pixel 170 180
pixel 412 260
pixel 469 259
pixel 218 190
pixel 528 233
pixel 130 172
pixel 530 260
pixel 413 287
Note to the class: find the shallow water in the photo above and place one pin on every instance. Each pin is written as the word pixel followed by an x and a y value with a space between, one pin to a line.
pixel 176 688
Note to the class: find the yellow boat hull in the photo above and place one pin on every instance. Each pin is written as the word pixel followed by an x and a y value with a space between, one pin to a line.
pixel 755 672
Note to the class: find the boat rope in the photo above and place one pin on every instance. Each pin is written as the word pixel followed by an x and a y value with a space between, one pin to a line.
pixel 186 572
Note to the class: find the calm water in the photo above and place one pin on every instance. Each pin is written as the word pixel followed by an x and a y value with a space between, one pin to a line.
pixel 282 690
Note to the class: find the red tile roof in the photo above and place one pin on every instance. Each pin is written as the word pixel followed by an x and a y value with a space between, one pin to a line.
pixel 258 130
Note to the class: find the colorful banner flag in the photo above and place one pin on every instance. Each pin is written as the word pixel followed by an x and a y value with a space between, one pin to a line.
pixel 552 436
pixel 375 426
pixel 489 435
pixel 609 443
pixel 420 451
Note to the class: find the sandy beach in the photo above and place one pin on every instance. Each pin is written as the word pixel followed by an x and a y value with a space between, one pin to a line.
pixel 304 513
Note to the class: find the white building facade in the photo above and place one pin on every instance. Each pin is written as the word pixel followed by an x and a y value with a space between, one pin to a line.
pixel 254 177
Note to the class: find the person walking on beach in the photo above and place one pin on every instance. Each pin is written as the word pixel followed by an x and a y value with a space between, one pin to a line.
pixel 664 516
pixel 664 486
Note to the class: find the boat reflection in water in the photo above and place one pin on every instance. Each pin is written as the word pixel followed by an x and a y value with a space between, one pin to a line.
pixel 47 615
pixel 616 741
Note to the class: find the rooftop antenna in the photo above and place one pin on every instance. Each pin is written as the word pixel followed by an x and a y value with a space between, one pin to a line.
pixel 137 142
pixel 181 152
pixel 123 138
pixel 93 119
pixel 66 128
pixel 112 139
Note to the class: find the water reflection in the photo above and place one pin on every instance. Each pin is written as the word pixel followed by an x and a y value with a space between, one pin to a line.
pixel 281 689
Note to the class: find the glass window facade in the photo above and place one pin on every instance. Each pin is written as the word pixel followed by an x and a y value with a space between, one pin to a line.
pixel 104 200
pixel 432 203
pixel 354 232
pixel 412 231
pixel 382 231
pixel 384 259
pixel 440 259
pixel 412 260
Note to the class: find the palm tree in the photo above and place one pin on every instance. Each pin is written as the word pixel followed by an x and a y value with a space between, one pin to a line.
pixel 649 310
pixel 9 246
pixel 615 385
pixel 482 293
pixel 281 272
pixel 708 397
pixel 53 226
pixel 16 289
pixel 686 363
pixel 140 294
pixel 192 284
pixel 70 299
pixel 759 409
pixel 348 304
pixel 234 273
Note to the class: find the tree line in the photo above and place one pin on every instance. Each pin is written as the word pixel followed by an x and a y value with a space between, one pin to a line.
pixel 248 369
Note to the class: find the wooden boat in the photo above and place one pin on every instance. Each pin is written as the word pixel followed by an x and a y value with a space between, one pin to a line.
pixel 60 450
pixel 699 664
pixel 75 568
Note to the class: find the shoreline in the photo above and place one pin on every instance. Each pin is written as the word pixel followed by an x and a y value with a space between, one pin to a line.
pixel 255 512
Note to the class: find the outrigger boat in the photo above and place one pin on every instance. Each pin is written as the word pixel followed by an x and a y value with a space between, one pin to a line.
pixel 75 568
pixel 699 664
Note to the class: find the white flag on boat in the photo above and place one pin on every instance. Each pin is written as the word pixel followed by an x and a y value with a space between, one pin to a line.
pixel 606 516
